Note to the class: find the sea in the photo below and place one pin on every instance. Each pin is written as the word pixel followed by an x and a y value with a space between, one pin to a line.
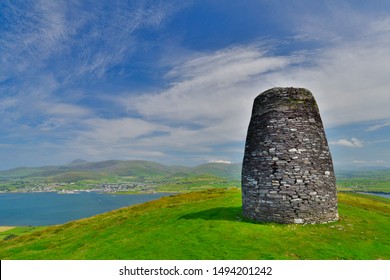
pixel 386 195
pixel 43 209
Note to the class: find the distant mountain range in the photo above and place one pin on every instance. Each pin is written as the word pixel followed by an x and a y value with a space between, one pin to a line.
pixel 81 169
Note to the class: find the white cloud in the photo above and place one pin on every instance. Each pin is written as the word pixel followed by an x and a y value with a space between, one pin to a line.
pixel 353 143
pixel 63 109
pixel 378 126
pixel 331 22
pixel 369 162
pixel 349 80
pixel 125 138
pixel 75 40
pixel 38 30
pixel 115 131
pixel 214 91
pixel 208 105
pixel 220 161
pixel 107 44
pixel 208 100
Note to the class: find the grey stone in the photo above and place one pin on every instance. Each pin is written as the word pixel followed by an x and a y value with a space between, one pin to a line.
pixel 298 221
pixel 285 122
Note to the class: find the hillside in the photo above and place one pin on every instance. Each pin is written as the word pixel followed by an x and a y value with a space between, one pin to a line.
pixel 209 225
pixel 133 175
pixel 224 170
pixel 150 169
pixel 364 180
pixel 136 168
pixel 106 168
pixel 379 173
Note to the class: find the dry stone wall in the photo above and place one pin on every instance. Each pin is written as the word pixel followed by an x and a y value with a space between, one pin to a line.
pixel 287 174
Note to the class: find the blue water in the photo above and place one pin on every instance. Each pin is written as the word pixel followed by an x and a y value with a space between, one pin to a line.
pixel 38 209
pixel 387 195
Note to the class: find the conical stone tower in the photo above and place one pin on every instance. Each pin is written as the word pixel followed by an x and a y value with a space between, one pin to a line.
pixel 287 172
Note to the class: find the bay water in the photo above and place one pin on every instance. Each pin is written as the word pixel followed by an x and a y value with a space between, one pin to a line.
pixel 42 209
pixel 386 195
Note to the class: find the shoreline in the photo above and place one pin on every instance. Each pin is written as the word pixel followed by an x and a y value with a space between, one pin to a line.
pixel 378 194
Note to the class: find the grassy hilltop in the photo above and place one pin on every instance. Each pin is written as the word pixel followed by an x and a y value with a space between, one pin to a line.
pixel 209 225
pixel 206 224
pixel 118 168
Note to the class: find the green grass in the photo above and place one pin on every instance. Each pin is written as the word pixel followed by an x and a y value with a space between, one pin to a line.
pixel 364 184
pixel 209 225
pixel 197 183
pixel 18 231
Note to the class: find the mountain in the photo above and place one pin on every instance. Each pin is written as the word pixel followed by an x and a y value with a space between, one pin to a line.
pixel 78 161
pixel 224 170
pixel 81 169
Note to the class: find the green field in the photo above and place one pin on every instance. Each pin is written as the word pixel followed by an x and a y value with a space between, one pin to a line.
pixel 364 181
pixel 209 225
pixel 364 185
pixel 7 232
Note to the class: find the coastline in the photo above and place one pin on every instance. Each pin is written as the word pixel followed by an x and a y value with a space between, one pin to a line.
pixel 380 194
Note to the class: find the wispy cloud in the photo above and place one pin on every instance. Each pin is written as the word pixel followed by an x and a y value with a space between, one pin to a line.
pixel 353 143
pixel 220 161
pixel 348 79
pixel 49 49
pixel 211 87
pixel 115 131
pixel 67 78
pixel 207 106
pixel 73 40
pixel 378 126
pixel 210 96
pixel 369 162
pixel 35 32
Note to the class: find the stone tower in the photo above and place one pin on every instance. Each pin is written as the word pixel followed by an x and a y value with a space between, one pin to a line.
pixel 287 172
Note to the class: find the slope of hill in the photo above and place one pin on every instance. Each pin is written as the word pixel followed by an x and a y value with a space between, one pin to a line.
pixel 108 167
pixel 80 174
pixel 116 170
pixel 209 225
pixel 224 170
pixel 381 174
pixel 125 168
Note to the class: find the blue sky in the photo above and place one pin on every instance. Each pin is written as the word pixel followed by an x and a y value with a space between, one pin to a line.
pixel 174 81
